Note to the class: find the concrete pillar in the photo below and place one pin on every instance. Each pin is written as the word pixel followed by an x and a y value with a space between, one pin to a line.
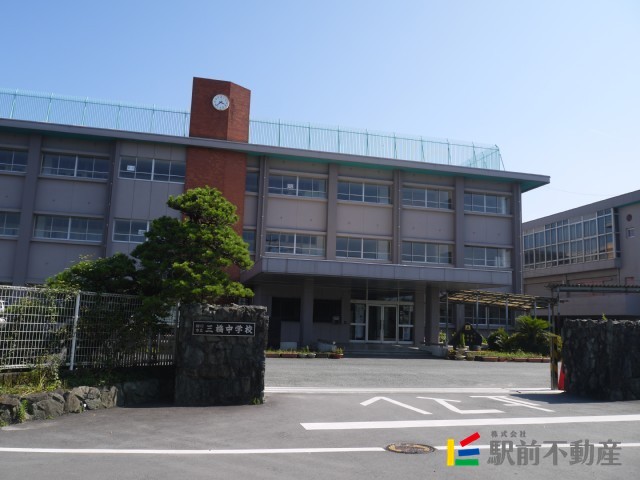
pixel 306 319
pixel 419 316
pixel 433 314
pixel 25 232
pixel 396 242
pixel 332 211
pixel 516 256
pixel 459 223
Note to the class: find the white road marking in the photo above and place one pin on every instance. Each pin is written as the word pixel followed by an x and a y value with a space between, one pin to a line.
pixel 252 451
pixel 469 422
pixel 478 390
pixel 445 403
pixel 514 402
pixel 395 402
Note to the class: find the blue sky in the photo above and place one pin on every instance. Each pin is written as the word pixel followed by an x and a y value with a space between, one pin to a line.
pixel 555 84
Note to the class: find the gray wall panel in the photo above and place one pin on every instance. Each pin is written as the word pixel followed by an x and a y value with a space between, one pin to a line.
pixel 11 190
pixel 48 258
pixel 485 229
pixel 250 211
pixel 363 219
pixel 71 197
pixel 428 225
pixel 296 214
pixel 8 139
pixel 74 145
pixel 7 251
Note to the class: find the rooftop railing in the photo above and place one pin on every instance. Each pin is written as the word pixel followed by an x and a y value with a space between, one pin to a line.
pixel 49 108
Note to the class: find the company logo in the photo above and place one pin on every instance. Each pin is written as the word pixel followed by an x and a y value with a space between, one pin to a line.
pixel 464 453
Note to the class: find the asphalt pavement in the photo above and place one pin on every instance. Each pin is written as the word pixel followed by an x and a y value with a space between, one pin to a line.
pixel 335 418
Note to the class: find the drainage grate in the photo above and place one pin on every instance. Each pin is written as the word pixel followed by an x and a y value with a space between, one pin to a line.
pixel 414 448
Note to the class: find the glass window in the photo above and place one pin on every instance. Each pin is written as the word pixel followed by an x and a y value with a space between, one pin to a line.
pixel 249 236
pixel 298 186
pixel 68 228
pixel 13 161
pixel 364 248
pixel 9 223
pixel 479 202
pixel 75 166
pixel 130 230
pixel 487 257
pixel 364 192
pixel 139 168
pixel 296 244
pixel 251 182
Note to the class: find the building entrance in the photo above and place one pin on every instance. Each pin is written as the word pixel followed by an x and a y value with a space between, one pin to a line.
pixel 381 323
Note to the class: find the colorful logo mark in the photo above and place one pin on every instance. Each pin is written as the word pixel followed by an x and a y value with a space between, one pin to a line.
pixel 463 452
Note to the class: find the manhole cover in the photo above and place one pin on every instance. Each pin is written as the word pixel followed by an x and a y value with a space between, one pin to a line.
pixel 410 448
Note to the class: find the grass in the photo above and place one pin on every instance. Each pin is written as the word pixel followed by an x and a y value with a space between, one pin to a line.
pixel 517 354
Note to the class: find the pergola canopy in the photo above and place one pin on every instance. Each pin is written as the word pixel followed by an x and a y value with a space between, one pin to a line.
pixel 497 299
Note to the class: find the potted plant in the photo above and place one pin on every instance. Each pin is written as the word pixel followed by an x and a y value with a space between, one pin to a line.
pixel 338 353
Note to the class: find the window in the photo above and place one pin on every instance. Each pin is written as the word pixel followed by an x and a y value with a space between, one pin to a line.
pixel 13 161
pixel 131 231
pixel 68 228
pixel 139 168
pixel 298 186
pixel 364 192
pixel 79 166
pixel 294 243
pixel 427 253
pixel 484 203
pixel 251 182
pixel 249 236
pixel 285 309
pixel 366 248
pixel 327 311
pixel 9 223
pixel 430 198
pixel 487 257
pixel 582 239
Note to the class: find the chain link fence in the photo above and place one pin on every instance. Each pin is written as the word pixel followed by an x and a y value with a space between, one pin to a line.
pixel 83 329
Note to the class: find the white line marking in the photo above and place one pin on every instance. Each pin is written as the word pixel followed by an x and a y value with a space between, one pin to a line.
pixel 405 390
pixel 259 451
pixel 395 402
pixel 468 422
pixel 514 402
pixel 445 403
pixel 255 451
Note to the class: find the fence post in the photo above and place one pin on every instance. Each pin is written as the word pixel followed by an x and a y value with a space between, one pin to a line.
pixel 76 315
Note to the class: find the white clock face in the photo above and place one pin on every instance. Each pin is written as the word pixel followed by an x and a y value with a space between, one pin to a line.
pixel 220 102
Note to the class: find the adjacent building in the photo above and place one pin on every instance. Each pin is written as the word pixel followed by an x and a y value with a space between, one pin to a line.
pixel 592 253
pixel 354 234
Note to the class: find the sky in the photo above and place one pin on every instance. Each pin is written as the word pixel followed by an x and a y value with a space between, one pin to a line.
pixel 555 84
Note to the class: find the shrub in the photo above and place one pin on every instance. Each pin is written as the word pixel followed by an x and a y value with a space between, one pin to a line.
pixel 496 339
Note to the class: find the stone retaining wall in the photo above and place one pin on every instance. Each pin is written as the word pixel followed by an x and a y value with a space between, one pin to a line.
pixel 47 405
pixel 602 358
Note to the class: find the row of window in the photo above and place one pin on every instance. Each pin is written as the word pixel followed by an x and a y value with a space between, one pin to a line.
pixel 301 186
pixel 86 166
pixel 578 240
pixel 133 231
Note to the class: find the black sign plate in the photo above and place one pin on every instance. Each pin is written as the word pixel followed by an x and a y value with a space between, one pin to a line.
pixel 225 329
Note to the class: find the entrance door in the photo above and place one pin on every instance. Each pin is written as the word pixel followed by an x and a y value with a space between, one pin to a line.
pixel 382 323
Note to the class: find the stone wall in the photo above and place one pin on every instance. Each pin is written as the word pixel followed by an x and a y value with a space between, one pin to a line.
pixel 47 405
pixel 602 358
pixel 218 367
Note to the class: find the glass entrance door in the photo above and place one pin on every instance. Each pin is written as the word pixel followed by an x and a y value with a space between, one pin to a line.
pixel 382 323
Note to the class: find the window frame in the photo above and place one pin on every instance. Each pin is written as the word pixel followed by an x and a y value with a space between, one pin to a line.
pixel 74 171
pixel 355 248
pixel 55 228
pixel 355 191
pixel 295 190
pixel 150 174
pixel 5 166
pixel 130 234
pixel 292 244
pixel 4 220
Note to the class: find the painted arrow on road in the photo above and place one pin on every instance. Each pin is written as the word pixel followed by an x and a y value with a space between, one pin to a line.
pixel 446 403
pixel 395 402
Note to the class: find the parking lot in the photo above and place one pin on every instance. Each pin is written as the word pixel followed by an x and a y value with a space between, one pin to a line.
pixel 336 417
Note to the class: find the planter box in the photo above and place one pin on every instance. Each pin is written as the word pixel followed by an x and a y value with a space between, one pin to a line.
pixel 336 355
pixel 518 359
pixel 289 355
pixel 534 360
pixel 322 355
pixel 488 358
pixel 272 355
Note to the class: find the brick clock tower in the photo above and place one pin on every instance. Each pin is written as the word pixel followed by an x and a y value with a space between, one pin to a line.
pixel 219 110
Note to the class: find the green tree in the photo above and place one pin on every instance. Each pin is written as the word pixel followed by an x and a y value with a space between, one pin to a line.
pixel 189 260
pixel 115 274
